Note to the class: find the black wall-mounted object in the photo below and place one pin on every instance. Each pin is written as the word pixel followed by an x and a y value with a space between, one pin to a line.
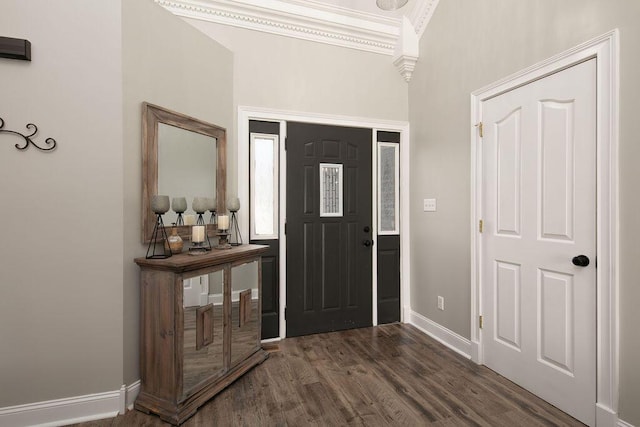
pixel 15 48
pixel 50 142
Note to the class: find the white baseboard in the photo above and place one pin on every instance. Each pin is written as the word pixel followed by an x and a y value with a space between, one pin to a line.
pixel 624 424
pixel 71 410
pixel 131 395
pixel 455 342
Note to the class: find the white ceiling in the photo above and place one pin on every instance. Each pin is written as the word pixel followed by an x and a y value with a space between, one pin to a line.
pixel 366 6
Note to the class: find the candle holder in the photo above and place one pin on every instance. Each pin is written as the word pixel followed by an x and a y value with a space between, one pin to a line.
pixel 159 205
pixel 179 206
pixel 212 207
pixel 223 240
pixel 233 205
pixel 199 245
pixel 200 206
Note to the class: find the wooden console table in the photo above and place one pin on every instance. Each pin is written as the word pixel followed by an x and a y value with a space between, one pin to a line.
pixel 190 351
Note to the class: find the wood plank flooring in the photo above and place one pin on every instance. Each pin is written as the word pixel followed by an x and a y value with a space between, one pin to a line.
pixel 391 375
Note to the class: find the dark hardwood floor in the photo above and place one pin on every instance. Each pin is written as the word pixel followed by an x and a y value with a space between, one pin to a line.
pixel 386 375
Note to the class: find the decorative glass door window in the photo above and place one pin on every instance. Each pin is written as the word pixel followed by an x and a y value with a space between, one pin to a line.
pixel 388 188
pixel 331 186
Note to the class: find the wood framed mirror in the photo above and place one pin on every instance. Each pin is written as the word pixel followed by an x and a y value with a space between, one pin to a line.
pixel 181 157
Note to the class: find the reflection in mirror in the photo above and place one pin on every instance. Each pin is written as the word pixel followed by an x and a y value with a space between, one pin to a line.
pixel 203 301
pixel 245 328
pixel 182 165
pixel 187 164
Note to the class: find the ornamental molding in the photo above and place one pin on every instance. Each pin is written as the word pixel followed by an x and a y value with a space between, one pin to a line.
pixel 288 19
pixel 319 22
pixel 421 15
pixel 405 65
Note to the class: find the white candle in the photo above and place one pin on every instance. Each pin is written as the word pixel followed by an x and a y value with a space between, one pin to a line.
pixel 197 233
pixel 189 220
pixel 223 222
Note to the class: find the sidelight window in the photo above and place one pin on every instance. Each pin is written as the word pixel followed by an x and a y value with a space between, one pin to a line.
pixel 264 186
pixel 388 188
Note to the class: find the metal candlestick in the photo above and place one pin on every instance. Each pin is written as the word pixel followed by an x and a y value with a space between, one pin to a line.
pixel 158 237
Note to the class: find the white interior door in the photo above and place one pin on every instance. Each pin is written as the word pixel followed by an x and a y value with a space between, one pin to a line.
pixel 539 212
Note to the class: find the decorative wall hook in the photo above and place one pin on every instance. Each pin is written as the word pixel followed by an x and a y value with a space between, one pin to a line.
pixel 27 138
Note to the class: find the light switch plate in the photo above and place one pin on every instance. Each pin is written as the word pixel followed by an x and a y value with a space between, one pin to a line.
pixel 429 205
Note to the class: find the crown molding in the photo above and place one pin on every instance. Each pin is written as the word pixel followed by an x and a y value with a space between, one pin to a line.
pixel 421 15
pixel 297 19
pixel 320 22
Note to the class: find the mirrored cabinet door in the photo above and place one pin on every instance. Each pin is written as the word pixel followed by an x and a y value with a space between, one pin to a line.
pixel 200 327
pixel 245 303
pixel 203 307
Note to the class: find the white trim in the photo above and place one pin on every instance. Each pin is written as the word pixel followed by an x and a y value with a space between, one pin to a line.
pixel 447 337
pixel 270 340
pixel 374 227
pixel 258 113
pixel 282 256
pixel 605 48
pixel 422 14
pixel 624 424
pixel 370 33
pixel 405 224
pixel 131 394
pixel 312 20
pixel 72 410
pixel 57 412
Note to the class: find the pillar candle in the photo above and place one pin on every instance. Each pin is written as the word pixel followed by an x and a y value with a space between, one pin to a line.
pixel 223 222
pixel 189 220
pixel 197 233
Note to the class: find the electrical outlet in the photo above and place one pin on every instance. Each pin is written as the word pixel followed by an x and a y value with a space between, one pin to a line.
pixel 440 303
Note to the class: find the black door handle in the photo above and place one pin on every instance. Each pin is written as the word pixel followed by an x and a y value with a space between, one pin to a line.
pixel 367 242
pixel 580 260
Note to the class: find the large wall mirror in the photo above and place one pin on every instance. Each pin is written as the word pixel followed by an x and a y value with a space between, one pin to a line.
pixel 181 157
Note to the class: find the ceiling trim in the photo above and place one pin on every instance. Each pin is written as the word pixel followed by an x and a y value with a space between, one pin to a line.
pixel 421 15
pixel 302 19
pixel 320 22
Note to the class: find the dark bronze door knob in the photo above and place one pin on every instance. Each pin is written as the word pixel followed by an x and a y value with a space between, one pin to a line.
pixel 580 260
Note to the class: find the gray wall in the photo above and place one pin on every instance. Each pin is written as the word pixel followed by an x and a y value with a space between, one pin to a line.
pixel 467 45
pixel 62 254
pixel 298 75
pixel 283 73
pixel 167 63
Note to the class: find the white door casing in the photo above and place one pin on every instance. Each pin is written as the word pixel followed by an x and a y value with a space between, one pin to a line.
pixel 539 170
pixel 605 50
pixel 245 114
pixel 195 291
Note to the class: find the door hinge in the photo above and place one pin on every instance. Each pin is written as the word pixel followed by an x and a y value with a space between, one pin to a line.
pixel 480 322
pixel 285 228
pixel 480 226
pixel 285 313
pixel 480 129
pixel 286 140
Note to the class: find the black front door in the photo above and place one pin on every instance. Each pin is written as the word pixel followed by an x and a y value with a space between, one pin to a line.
pixel 329 243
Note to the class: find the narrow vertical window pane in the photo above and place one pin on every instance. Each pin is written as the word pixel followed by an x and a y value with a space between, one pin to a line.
pixel 264 200
pixel 388 191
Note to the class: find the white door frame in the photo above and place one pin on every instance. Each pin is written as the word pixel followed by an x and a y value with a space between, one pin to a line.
pixel 605 50
pixel 246 113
